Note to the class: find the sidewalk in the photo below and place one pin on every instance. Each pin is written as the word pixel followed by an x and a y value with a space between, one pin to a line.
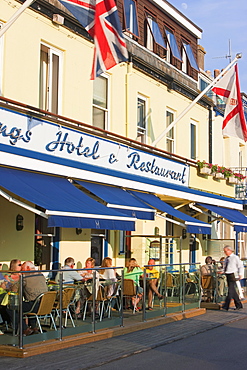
pixel 94 354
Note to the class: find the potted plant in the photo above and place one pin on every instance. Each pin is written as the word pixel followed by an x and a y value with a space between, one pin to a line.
pixel 239 176
pixel 204 167
pixel 219 174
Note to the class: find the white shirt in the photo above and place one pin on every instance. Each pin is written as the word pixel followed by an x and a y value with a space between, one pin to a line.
pixel 69 275
pixel 234 265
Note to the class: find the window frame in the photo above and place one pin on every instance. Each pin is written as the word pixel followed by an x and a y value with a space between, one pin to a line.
pixel 149 31
pixel 193 123
pixel 106 110
pixel 186 46
pixel 131 29
pixel 47 89
pixel 169 32
pixel 1 60
pixel 170 139
pixel 142 131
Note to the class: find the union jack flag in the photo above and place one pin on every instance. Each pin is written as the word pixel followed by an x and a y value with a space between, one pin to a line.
pixel 100 19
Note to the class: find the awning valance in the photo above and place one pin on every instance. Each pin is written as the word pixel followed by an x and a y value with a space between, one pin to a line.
pixel 192 225
pixel 233 215
pixel 65 205
pixel 118 198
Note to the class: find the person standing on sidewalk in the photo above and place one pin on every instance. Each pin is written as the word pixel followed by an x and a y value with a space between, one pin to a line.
pixel 233 267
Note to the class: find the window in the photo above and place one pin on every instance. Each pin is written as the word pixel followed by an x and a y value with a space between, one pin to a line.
pixel 141 119
pixel 130 17
pixel 50 79
pixel 170 134
pixel 172 46
pixel 193 140
pixel 1 59
pixel 190 55
pixel 153 34
pixel 100 102
pixel 202 85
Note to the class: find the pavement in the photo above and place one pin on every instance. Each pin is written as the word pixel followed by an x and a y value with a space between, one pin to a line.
pixel 93 355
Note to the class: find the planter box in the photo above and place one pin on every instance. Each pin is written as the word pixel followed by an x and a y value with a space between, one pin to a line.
pixel 205 171
pixel 219 175
pixel 232 180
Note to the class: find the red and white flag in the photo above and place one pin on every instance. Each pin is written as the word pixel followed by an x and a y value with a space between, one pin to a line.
pixel 234 123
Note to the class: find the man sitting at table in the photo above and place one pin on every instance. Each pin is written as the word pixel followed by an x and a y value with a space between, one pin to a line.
pixel 34 284
pixel 69 275
pixel 152 282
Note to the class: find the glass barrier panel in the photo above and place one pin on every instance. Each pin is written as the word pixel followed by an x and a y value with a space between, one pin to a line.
pixel 192 286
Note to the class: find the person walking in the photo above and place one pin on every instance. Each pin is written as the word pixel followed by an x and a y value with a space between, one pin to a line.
pixel 233 267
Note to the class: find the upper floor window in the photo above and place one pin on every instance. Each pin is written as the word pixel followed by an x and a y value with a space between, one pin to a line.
pixel 153 34
pixel 1 59
pixel 100 102
pixel 190 55
pixel 170 134
pixel 172 47
pixel 50 79
pixel 141 119
pixel 130 17
pixel 202 85
pixel 193 151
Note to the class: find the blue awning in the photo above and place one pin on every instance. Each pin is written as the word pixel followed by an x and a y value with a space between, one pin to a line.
pixel 237 218
pixel 65 205
pixel 192 225
pixel 121 199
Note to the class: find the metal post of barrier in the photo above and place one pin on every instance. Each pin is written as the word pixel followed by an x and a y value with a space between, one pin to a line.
pixel 60 306
pixel 144 296
pixel 216 295
pixel 20 313
pixel 121 298
pixel 94 301
pixel 183 287
pixel 165 292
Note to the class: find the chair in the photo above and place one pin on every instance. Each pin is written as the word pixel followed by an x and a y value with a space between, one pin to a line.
pixel 114 296
pixel 46 305
pixel 129 290
pixel 67 301
pixel 101 299
pixel 208 286
pixel 170 285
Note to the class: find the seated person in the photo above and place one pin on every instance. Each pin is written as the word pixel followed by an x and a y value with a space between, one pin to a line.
pixel 152 283
pixel 222 283
pixel 109 275
pixel 87 289
pixel 69 275
pixel 13 276
pixel 34 284
pixel 134 272
pixel 208 274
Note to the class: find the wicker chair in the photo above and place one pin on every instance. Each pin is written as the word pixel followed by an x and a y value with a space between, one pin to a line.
pixel 129 291
pixel 67 300
pixel 46 305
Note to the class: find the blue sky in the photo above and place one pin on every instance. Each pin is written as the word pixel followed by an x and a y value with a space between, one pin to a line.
pixel 221 21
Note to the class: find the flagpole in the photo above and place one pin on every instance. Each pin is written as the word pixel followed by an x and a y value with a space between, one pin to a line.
pixel 191 105
pixel 15 16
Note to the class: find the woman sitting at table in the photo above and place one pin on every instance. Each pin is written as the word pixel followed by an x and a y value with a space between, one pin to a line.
pixel 13 276
pixel 152 283
pixel 109 275
pixel 87 289
pixel 134 272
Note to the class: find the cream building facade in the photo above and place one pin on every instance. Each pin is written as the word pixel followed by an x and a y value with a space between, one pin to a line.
pixel 45 77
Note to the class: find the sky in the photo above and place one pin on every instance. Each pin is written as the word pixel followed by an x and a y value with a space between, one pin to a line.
pixel 220 21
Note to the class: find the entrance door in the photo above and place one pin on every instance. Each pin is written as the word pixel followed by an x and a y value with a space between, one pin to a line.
pixel 43 242
pixel 97 243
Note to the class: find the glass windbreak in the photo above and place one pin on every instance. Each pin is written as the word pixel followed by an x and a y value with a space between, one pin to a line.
pixel 191 286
